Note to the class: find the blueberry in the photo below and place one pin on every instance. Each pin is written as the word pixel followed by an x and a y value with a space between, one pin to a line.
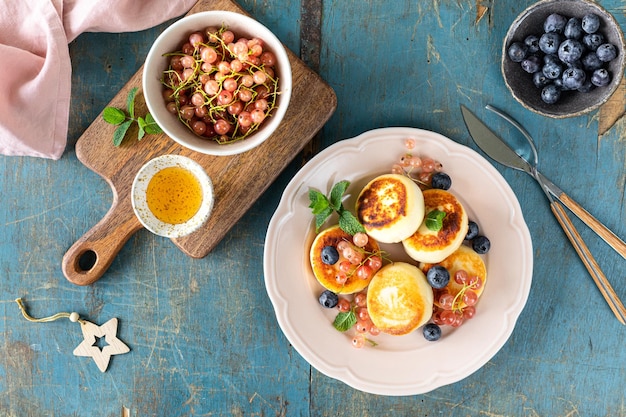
pixel 591 62
pixel 600 77
pixel 573 29
pixel 532 64
pixel 481 244
pixel 550 94
pixel 328 299
pixel 558 83
pixel 570 50
pixel 593 40
pixel 606 52
pixel 555 23
pixel 549 42
pixel 573 78
pixel 517 51
pixel 432 332
pixel 552 70
pixel 441 180
pixel 540 80
pixel 532 43
pixel 576 64
pixel 330 256
pixel 587 86
pixel 551 59
pixel 438 276
pixel 472 230
pixel 590 23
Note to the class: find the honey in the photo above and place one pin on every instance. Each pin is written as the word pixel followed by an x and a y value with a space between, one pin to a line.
pixel 174 195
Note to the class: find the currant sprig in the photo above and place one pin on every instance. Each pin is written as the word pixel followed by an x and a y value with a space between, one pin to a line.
pixel 458 298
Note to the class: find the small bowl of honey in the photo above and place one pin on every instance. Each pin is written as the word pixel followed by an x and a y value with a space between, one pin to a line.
pixel 172 196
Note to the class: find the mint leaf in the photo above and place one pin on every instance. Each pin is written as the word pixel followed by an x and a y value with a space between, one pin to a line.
pixel 319 202
pixel 320 207
pixel 142 125
pixel 336 194
pixel 118 117
pixel 130 102
pixel 321 218
pixel 349 223
pixel 323 208
pixel 120 132
pixel 344 321
pixel 151 126
pixel 434 220
pixel 113 115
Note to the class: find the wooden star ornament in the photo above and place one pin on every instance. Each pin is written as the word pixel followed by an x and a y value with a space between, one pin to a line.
pixel 89 346
pixel 99 342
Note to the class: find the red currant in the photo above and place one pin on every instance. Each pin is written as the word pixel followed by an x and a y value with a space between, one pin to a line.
pixel 360 299
pixel 343 305
pixel 445 300
pixel 362 313
pixel 364 272
pixel 360 239
pixel 362 326
pixel 341 278
pixel 461 277
pixel 345 266
pixel 470 297
pixel 374 262
pixel 358 341
pixel 469 312
pixel 447 317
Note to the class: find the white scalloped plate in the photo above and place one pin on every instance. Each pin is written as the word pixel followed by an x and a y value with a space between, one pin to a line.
pixel 398 365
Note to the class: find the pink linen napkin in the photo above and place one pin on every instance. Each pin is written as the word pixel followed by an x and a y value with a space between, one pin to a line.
pixel 35 63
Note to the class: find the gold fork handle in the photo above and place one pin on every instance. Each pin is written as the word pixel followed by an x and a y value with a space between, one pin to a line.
pixel 594 224
pixel 590 263
pixel 602 231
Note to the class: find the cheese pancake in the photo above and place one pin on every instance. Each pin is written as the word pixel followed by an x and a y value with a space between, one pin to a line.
pixel 430 246
pixel 399 299
pixel 464 258
pixel 390 207
pixel 325 274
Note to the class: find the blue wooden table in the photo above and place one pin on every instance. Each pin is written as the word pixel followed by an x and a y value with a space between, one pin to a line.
pixel 203 336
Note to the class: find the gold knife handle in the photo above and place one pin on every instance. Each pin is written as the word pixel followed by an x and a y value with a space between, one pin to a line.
pixel 607 235
pixel 590 263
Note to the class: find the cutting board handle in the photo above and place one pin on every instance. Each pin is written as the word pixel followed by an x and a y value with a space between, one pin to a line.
pixel 89 258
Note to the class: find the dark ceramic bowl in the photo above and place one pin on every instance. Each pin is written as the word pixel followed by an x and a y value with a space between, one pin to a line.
pixel 571 103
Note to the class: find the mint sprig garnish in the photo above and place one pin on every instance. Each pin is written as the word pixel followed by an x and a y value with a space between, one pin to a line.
pixel 124 120
pixel 323 207
pixel 434 220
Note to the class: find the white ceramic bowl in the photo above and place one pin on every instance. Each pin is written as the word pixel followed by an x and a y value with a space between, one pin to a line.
pixel 140 204
pixel 171 40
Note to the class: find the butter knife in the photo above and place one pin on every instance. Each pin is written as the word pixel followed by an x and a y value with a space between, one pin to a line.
pixel 498 149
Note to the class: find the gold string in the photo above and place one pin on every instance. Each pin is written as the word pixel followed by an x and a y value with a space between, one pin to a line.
pixel 43 319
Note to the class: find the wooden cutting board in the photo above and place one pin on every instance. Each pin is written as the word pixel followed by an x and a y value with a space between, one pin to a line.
pixel 239 180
